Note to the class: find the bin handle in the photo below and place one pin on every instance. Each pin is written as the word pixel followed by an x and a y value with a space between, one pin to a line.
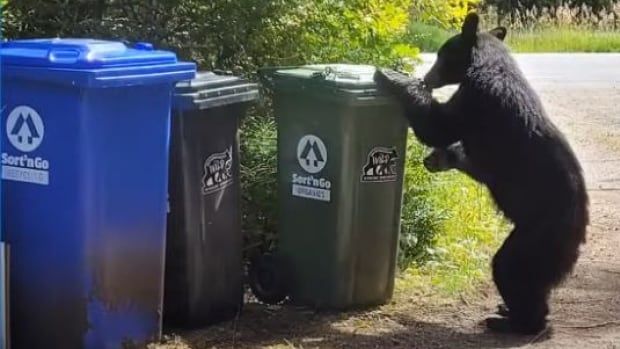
pixel 63 55
pixel 265 75
pixel 138 45
pixel 330 73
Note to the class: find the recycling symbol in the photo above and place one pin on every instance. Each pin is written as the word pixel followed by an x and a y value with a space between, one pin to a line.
pixel 25 129
pixel 311 154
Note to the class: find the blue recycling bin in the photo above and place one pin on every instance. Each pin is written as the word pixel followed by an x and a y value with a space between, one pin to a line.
pixel 3 327
pixel 3 322
pixel 84 170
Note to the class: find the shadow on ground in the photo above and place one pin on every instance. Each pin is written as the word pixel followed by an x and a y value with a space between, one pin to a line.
pixel 285 327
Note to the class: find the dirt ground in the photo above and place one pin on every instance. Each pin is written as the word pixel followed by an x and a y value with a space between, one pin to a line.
pixel 585 311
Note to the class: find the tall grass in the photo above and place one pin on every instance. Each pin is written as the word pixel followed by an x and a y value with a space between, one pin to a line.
pixel 467 230
pixel 441 209
pixel 559 29
pixel 564 40
pixel 563 16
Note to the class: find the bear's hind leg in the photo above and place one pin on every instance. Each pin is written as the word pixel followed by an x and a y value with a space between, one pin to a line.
pixel 530 315
pixel 525 300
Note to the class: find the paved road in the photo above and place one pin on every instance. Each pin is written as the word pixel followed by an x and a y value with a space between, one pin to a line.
pixel 581 69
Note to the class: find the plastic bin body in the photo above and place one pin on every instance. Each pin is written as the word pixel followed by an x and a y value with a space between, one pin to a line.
pixel 3 306
pixel 84 168
pixel 204 270
pixel 341 151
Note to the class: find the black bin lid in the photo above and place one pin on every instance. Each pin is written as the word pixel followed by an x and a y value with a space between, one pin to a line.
pixel 210 90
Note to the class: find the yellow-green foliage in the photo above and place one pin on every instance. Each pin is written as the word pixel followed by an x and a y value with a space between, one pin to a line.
pixel 465 240
pixel 444 13
pixel 241 35
pixel 357 31
pixel 450 228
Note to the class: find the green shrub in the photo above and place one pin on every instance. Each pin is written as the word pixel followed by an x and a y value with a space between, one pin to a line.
pixel 421 216
pixel 441 211
pixel 259 182
pixel 442 13
pixel 428 38
pixel 465 231
pixel 243 35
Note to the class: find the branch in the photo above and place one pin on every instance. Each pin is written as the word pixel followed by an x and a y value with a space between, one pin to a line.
pixel 538 337
pixel 597 325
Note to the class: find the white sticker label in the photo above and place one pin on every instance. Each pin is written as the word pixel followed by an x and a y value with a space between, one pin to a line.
pixel 311 154
pixel 311 193
pixel 26 175
pixel 218 172
pixel 380 166
pixel 25 131
pixel 312 157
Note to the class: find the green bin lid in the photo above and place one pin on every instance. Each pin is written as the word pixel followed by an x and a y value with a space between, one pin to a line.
pixel 355 81
pixel 210 90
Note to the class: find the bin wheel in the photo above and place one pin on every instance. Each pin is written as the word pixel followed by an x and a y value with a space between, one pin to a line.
pixel 267 280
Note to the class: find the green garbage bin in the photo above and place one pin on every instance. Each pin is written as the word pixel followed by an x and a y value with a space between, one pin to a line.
pixel 341 152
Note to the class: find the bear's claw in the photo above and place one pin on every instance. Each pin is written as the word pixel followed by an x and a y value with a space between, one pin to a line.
pixel 502 310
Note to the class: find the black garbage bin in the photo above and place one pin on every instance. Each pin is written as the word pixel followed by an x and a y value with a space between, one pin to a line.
pixel 204 267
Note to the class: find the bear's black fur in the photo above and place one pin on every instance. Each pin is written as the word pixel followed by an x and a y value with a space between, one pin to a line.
pixel 453 157
pixel 517 152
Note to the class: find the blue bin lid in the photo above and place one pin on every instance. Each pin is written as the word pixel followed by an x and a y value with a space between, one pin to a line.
pixel 91 62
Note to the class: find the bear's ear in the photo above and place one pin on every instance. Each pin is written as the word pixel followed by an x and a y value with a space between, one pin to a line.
pixel 470 27
pixel 499 32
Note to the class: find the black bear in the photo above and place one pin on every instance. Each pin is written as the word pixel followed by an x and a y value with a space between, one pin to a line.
pixel 514 149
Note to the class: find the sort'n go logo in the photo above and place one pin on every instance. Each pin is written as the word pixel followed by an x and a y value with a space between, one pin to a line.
pixel 25 129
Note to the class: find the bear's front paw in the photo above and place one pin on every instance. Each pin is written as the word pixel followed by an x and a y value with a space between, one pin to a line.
pixel 444 159
pixel 392 80
pixel 419 94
